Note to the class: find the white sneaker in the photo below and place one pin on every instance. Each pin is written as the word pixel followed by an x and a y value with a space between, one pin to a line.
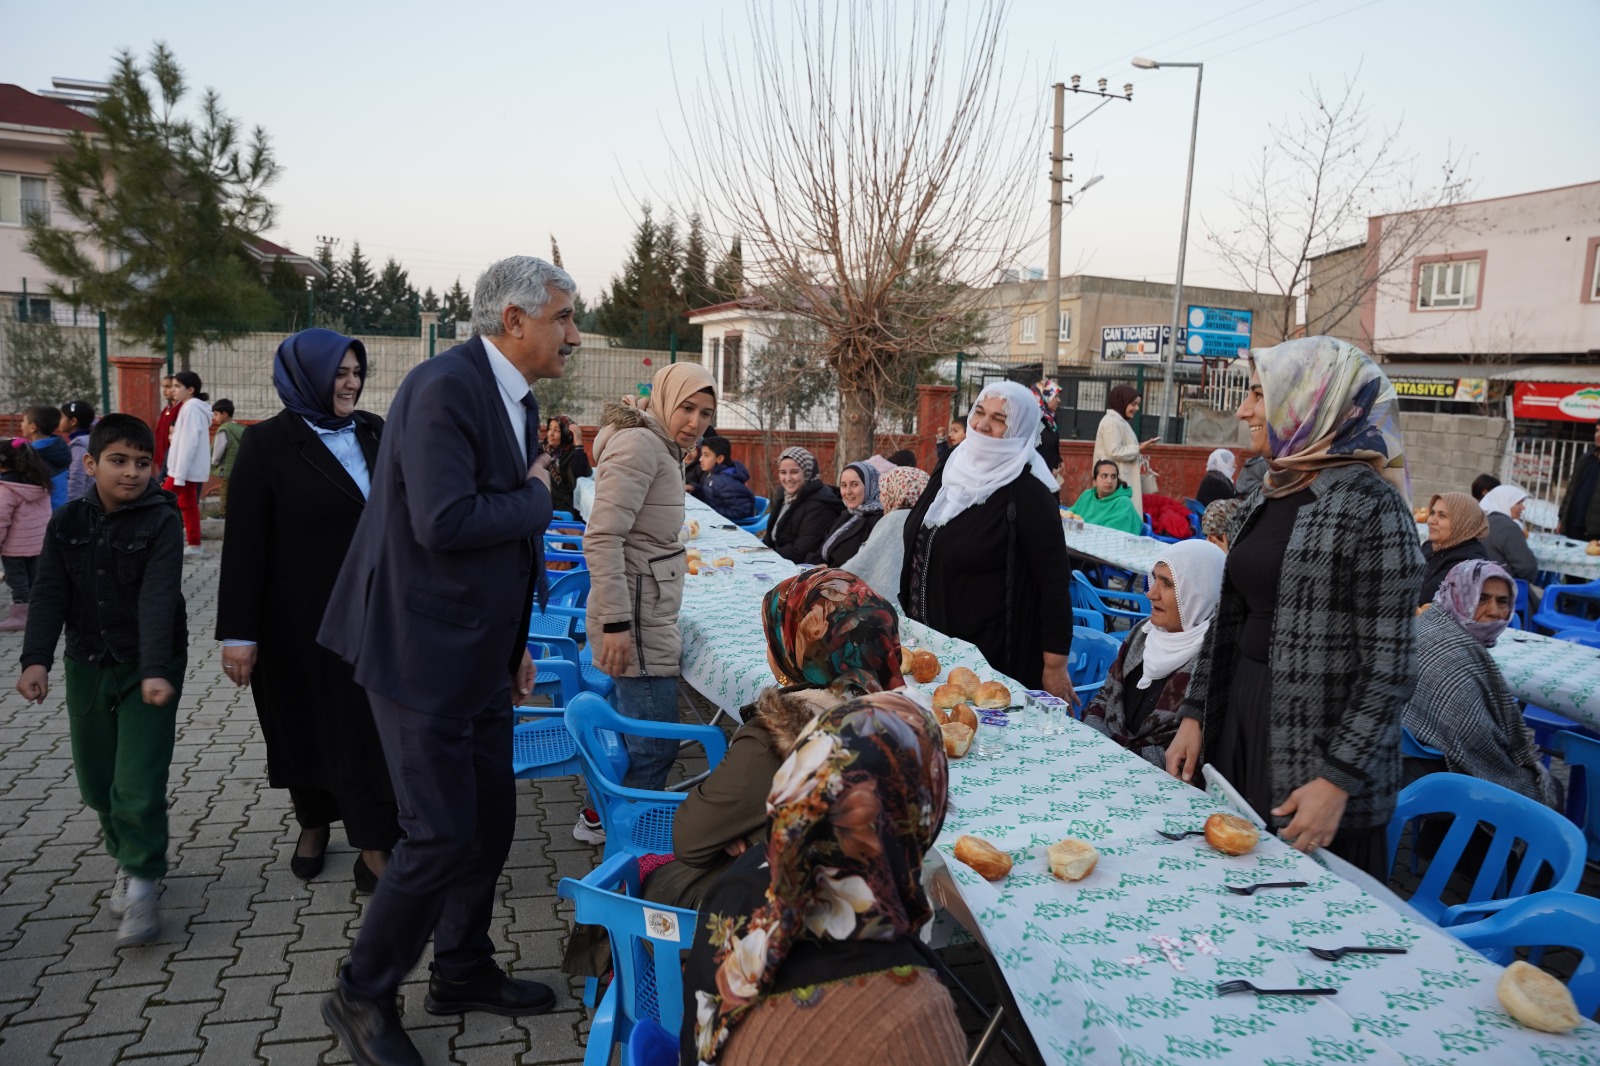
pixel 588 829
pixel 141 917
pixel 119 894
pixel 193 550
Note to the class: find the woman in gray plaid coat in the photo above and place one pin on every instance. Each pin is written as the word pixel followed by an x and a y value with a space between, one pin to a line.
pixel 1297 696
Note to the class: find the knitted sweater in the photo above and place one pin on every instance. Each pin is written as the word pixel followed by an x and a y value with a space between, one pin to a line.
pixel 1343 655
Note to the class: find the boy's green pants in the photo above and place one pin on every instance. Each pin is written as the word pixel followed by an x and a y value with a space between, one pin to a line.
pixel 121 748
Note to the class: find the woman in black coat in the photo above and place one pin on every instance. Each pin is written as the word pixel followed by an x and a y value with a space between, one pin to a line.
pixel 858 489
pixel 298 488
pixel 569 461
pixel 803 511
pixel 984 556
pixel 1456 526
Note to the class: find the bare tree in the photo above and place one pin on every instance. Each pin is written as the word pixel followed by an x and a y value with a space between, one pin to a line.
pixel 864 156
pixel 1318 180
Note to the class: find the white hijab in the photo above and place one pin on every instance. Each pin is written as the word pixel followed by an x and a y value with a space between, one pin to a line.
pixel 1501 499
pixel 1223 462
pixel 979 465
pixel 1196 567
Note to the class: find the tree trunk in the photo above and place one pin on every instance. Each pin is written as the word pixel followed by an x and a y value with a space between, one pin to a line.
pixel 858 405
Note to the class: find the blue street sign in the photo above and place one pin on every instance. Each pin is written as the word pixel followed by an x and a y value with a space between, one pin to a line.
pixel 1218 333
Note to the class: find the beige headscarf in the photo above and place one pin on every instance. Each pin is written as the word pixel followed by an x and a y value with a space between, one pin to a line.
pixel 1467 520
pixel 676 382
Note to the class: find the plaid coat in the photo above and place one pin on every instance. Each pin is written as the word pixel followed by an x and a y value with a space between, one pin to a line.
pixel 1343 654
pixel 1109 715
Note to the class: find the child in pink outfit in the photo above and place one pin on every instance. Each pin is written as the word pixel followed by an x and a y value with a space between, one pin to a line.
pixel 24 513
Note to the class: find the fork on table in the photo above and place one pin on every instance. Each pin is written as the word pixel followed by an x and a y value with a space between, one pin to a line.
pixel 1335 954
pixel 1180 836
pixel 1250 890
pixel 1227 988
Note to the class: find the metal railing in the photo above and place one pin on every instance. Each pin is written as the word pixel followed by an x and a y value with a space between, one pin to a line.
pixel 1543 467
pixel 1225 390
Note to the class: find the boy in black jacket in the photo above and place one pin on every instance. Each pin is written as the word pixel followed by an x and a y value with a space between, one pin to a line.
pixel 110 573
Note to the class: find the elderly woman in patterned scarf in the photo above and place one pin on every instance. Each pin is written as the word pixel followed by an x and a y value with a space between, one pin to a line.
pixel 829 637
pixel 1297 694
pixel 803 509
pixel 1461 705
pixel 806 951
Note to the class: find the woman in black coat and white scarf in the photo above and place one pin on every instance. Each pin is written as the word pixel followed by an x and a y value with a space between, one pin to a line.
pixel 1311 660
pixel 803 512
pixel 298 488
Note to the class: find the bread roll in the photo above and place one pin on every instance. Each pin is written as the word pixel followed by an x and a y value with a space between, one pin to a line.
pixel 1529 995
pixel 726 560
pixel 906 655
pixel 924 666
pixel 957 739
pixel 947 695
pixel 965 715
pixel 965 680
pixel 1230 834
pixel 990 862
pixel 694 529
pixel 1072 860
pixel 992 694
pixel 1592 548
pixel 1420 514
pixel 694 564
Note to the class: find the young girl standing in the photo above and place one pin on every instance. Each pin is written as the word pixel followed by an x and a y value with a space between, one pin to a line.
pixel 24 513
pixel 189 456
pixel 77 419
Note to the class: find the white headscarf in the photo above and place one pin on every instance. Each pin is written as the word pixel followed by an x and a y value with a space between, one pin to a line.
pixel 1223 462
pixel 1196 567
pixel 1501 499
pixel 979 465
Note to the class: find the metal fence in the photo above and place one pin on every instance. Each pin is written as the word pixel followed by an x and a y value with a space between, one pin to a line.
pixel 1543 467
pixel 1083 397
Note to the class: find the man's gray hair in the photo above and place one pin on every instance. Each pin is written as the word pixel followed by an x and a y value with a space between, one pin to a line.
pixel 521 280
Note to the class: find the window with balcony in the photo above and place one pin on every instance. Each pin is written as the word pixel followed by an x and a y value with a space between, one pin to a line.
pixel 1029 330
pixel 23 198
pixel 1448 284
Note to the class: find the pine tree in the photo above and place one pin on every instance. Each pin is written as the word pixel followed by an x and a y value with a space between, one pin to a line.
pixel 694 281
pixel 326 290
pixel 555 251
pixel 728 281
pixel 457 307
pixel 288 291
pixel 643 307
pixel 358 292
pixel 395 302
pixel 430 301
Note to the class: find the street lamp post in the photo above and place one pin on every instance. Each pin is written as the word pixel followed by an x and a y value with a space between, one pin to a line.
pixel 1183 238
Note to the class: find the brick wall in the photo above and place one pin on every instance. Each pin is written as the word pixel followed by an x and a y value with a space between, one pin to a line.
pixel 1445 452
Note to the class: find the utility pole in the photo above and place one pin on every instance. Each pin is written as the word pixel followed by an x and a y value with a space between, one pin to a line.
pixel 1052 326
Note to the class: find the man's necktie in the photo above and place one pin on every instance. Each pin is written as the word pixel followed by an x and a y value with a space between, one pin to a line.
pixel 530 427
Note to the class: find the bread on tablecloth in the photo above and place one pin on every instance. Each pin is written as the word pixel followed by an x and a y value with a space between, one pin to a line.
pixel 990 862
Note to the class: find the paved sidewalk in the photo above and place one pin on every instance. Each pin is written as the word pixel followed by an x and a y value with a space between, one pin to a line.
pixel 248 949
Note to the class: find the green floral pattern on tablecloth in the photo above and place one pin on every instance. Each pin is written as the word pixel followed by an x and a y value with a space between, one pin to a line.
pixel 1554 674
pixel 1064 947
pixel 1128 551
pixel 1562 555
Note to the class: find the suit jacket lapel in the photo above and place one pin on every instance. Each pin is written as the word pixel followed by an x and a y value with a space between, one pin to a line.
pixel 479 357
pixel 313 451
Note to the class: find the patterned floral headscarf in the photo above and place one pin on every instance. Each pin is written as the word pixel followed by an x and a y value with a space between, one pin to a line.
pixel 1047 390
pixel 852 811
pixel 1218 516
pixel 828 629
pixel 1328 404
pixel 1459 594
pixel 901 487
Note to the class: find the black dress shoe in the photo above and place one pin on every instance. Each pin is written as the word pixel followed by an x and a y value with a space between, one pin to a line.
pixel 369 1030
pixel 306 867
pixel 366 880
pixel 488 989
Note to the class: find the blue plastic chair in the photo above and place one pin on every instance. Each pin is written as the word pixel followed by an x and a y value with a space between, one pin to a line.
pixel 650 1045
pixel 1546 920
pixel 758 515
pixel 595 679
pixel 1090 661
pixel 1589 638
pixel 558 679
pixel 1582 755
pixel 1088 619
pixel 568 595
pixel 550 637
pixel 1545 725
pixel 639 989
pixel 1089 598
pixel 637 821
pixel 1412 748
pixel 1551 842
pixel 1519 610
pixel 555 555
pixel 1558 609
pixel 543 747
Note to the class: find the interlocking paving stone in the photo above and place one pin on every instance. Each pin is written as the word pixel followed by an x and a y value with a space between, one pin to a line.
pixel 233 1043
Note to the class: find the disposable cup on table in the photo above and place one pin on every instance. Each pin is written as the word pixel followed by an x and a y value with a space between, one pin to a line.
pixel 993 736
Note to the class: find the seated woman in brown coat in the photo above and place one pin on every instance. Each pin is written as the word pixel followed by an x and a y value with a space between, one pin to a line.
pixel 1138 705
pixel 829 637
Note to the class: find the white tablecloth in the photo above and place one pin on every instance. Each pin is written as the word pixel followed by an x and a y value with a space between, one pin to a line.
pixel 1554 674
pixel 1562 555
pixel 1063 946
pixel 1128 551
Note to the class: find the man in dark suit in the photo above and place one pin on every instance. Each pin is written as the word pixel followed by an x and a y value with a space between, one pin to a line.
pixel 432 608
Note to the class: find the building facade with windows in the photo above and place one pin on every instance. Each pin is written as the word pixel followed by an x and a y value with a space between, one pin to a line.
pixel 34 132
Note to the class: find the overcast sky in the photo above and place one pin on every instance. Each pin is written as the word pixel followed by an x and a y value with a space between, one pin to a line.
pixel 450 134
